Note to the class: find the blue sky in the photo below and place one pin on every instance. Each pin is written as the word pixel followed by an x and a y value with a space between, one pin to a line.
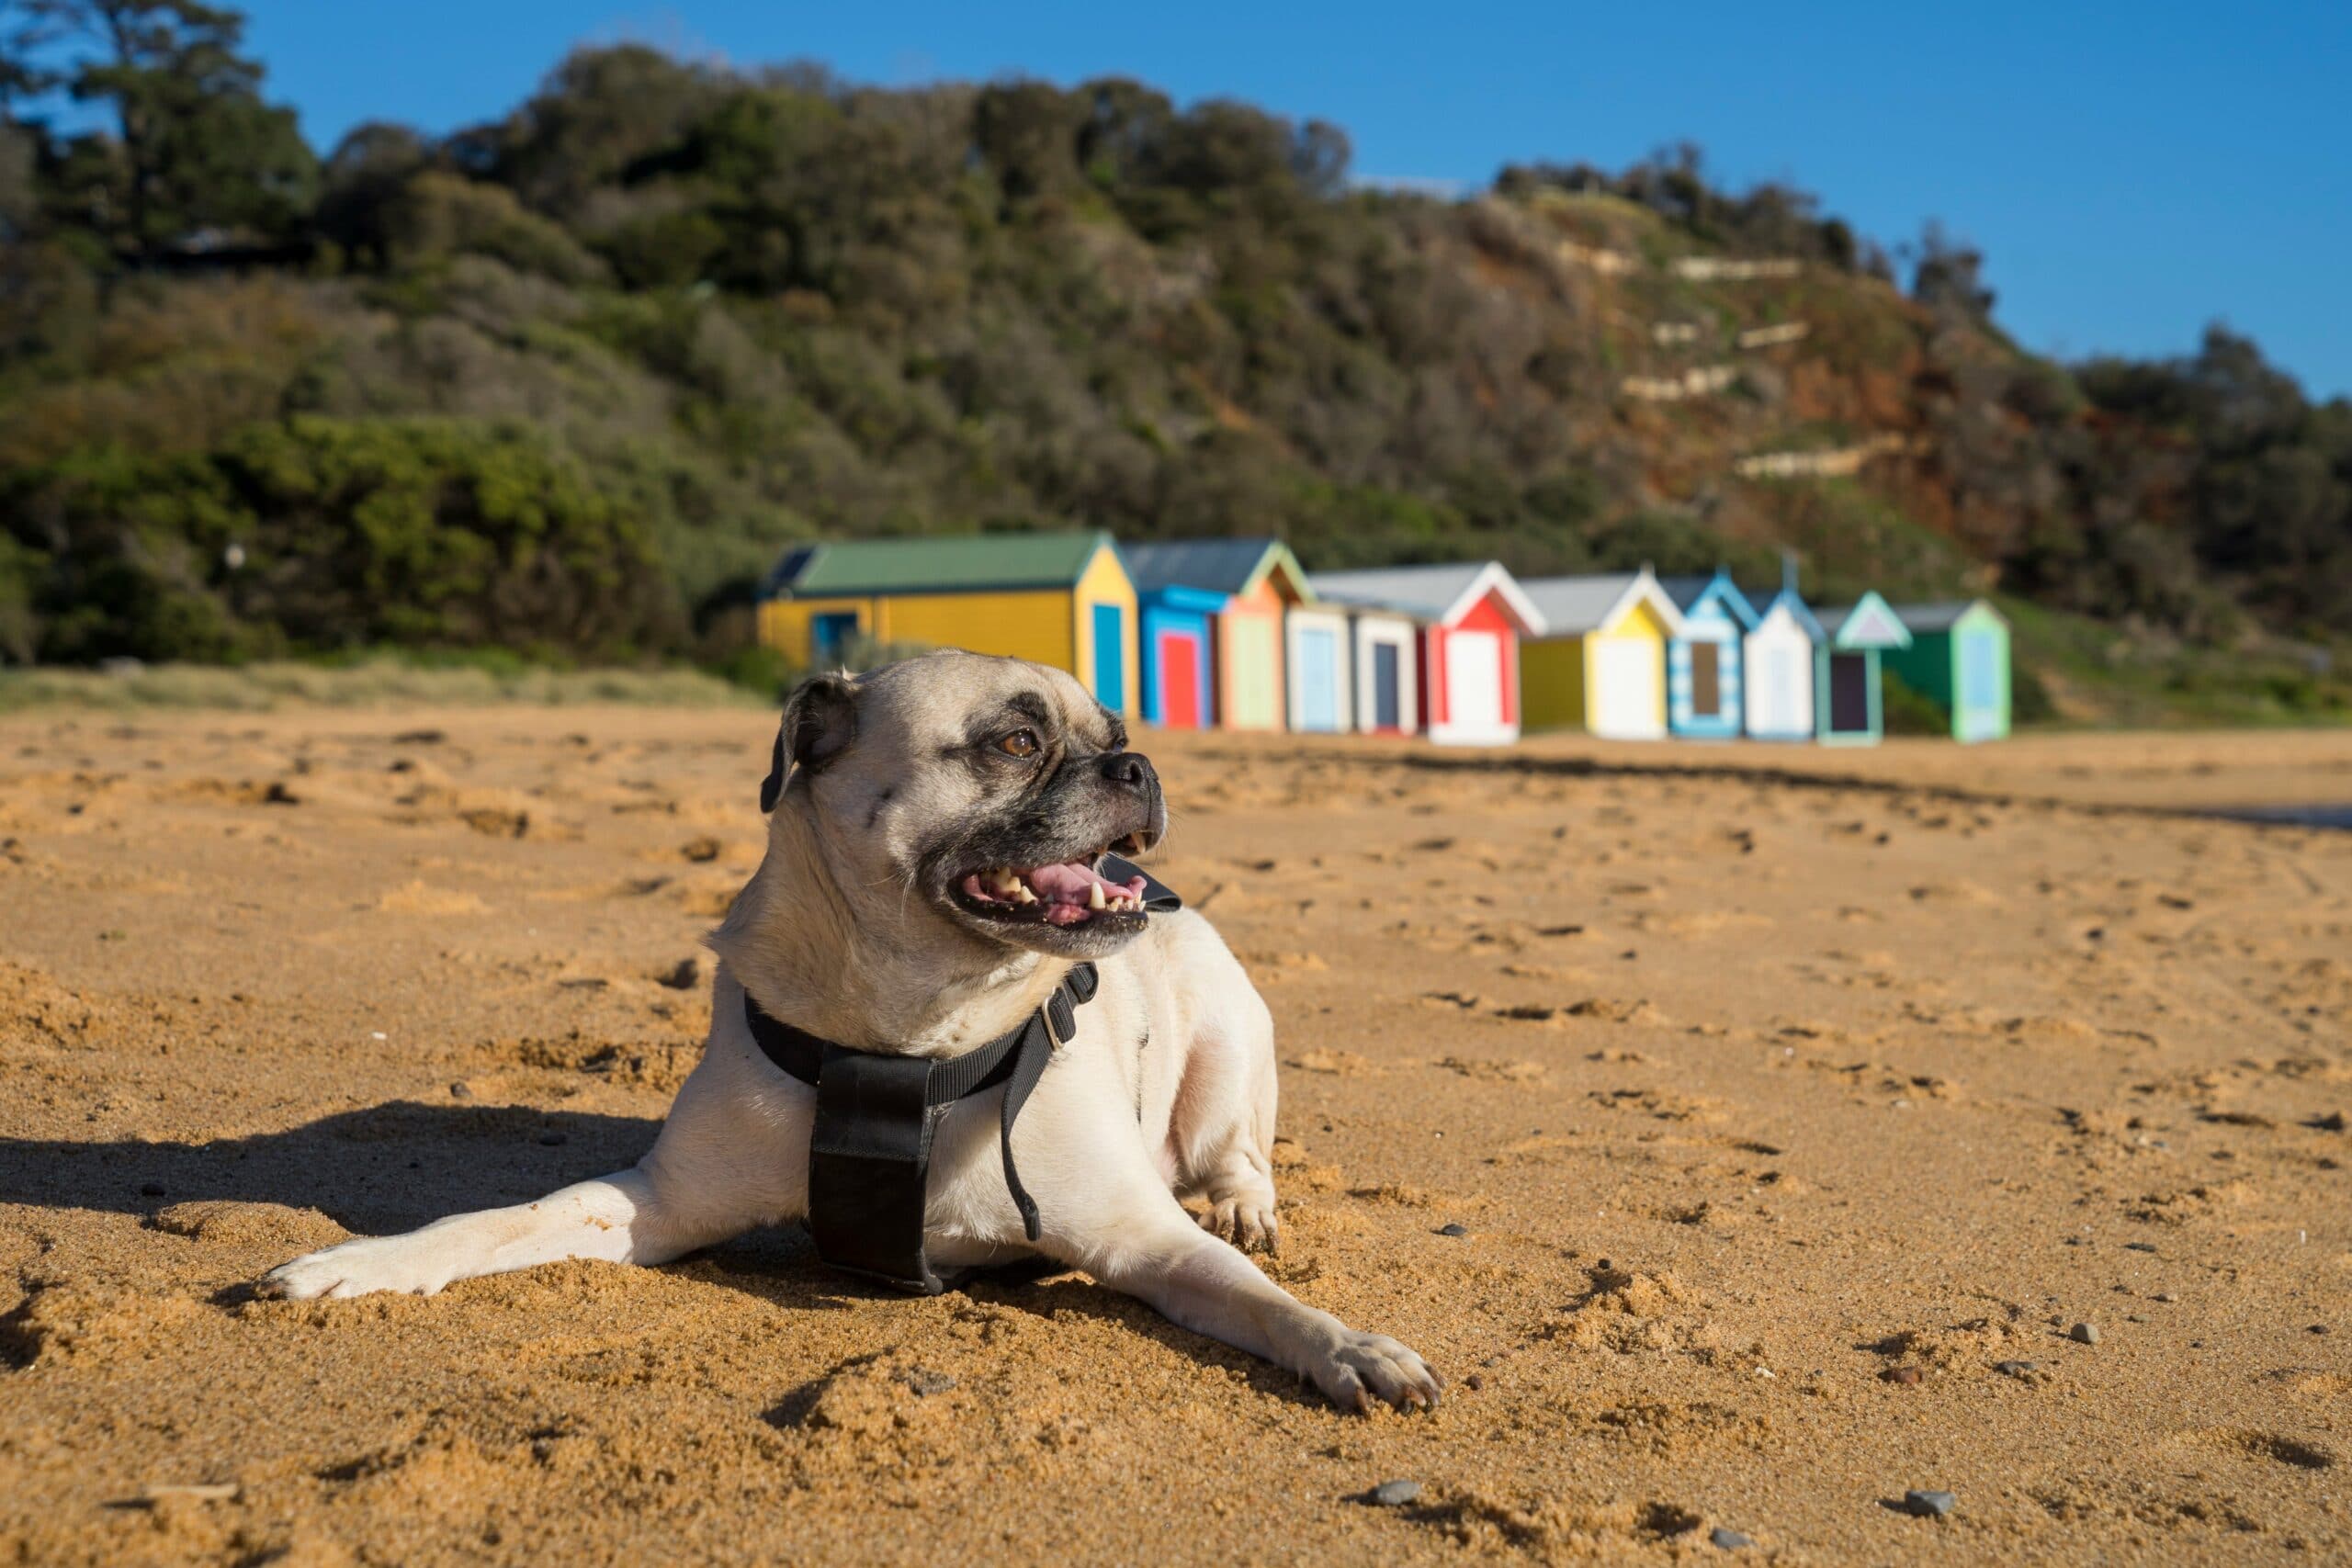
pixel 2132 172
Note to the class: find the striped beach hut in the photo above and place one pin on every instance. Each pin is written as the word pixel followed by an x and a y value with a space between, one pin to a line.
pixel 1062 599
pixel 1255 582
pixel 1959 657
pixel 1847 697
pixel 1702 665
pixel 1776 664
pixel 1601 663
pixel 1468 619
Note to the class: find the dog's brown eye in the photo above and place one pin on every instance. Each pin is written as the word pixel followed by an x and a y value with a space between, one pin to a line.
pixel 1020 743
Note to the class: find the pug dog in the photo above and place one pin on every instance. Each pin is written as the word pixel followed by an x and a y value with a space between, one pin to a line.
pixel 931 875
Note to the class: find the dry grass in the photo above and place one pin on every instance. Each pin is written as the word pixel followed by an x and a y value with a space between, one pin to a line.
pixel 377 683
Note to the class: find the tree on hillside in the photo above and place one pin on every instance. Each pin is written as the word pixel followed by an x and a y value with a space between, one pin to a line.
pixel 194 149
pixel 1947 277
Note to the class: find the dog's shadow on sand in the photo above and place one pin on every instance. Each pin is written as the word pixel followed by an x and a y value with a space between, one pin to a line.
pixel 375 1171
pixel 391 1168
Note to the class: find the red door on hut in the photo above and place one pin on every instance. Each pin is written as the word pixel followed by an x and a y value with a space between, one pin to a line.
pixel 1180 666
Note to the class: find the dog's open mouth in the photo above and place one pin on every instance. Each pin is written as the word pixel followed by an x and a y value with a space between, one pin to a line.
pixel 1066 893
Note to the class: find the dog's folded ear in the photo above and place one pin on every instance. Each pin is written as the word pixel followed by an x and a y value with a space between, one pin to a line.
pixel 820 721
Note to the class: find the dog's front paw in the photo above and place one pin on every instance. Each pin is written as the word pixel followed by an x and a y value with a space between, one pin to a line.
pixel 1361 1368
pixel 356 1268
pixel 1246 1219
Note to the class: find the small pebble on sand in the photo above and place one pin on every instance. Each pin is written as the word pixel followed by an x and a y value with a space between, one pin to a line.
pixel 1453 1230
pixel 2017 1369
pixel 461 1089
pixel 1902 1374
pixel 1928 1505
pixel 1393 1493
pixel 2084 1334
pixel 1729 1539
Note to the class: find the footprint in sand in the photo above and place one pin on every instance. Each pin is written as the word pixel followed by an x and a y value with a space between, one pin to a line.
pixel 2247 1442
pixel 1339 1064
pixel 1493 1071
pixel 420 898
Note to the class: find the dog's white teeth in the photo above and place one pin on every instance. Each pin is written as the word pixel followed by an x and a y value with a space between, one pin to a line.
pixel 1094 900
pixel 1021 894
pixel 1002 881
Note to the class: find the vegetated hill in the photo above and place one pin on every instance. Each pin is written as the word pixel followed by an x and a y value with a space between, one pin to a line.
pixel 569 381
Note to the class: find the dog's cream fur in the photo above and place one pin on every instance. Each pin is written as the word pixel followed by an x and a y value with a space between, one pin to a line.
pixel 1168 1089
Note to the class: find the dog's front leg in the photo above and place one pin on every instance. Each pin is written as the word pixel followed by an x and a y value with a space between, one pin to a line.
pixel 733 1154
pixel 615 1219
pixel 1205 1284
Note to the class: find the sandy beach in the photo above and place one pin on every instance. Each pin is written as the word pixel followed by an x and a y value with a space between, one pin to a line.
pixel 1797 1106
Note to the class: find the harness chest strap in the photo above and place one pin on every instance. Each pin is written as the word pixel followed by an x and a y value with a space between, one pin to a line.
pixel 869 1147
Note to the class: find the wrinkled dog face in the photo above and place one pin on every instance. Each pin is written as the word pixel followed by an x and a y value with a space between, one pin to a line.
pixel 984 791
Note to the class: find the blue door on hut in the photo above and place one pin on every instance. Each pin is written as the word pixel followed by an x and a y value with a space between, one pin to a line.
pixel 1110 657
pixel 1317 677
pixel 1384 704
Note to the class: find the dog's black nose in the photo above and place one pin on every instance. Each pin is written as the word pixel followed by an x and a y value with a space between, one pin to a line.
pixel 1131 767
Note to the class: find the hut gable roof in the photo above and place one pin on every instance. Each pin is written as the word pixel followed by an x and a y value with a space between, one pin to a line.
pixel 1439 593
pixel 1694 593
pixel 971 563
pixel 1764 600
pixel 1573 606
pixel 1869 622
pixel 1942 617
pixel 1232 567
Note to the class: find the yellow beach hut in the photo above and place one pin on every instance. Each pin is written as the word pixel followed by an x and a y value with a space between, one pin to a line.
pixel 1601 664
pixel 1060 599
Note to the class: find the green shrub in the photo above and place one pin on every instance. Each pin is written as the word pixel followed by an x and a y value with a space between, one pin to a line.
pixel 2030 699
pixel 1905 710
pixel 317 533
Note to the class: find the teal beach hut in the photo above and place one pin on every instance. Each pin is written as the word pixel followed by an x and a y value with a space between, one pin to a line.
pixel 1847 703
pixel 1959 659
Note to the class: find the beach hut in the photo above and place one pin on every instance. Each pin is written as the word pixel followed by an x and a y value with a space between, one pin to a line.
pixel 1702 665
pixel 1775 661
pixel 1383 650
pixel 1959 657
pixel 1601 663
pixel 1316 655
pixel 1062 599
pixel 1254 582
pixel 1846 691
pixel 1176 664
pixel 1468 619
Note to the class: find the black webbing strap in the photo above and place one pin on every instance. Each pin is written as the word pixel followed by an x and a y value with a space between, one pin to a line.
pixel 869 1148
pixel 1158 896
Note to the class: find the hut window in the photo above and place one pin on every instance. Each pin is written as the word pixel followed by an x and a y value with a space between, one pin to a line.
pixel 1706 679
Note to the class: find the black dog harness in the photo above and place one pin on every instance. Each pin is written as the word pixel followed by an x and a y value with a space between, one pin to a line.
pixel 869 1150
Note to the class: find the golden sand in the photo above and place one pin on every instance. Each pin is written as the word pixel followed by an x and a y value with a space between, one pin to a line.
pixel 1786 1097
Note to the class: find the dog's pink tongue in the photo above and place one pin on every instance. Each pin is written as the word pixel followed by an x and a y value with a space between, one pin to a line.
pixel 1071 883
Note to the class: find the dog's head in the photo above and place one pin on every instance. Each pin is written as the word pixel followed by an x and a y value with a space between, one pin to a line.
pixel 981 792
